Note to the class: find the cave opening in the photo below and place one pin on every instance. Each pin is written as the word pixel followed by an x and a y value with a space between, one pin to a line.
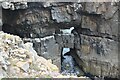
pixel 7 28
pixel 10 22
pixel 69 65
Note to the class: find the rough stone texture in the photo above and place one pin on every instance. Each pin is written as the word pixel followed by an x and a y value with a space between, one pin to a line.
pixel 47 31
pixel 34 18
pixel 95 34
pixel 20 60
pixel 65 40
pixel 14 6
pixel 56 15
pixel 106 9
pixel 39 19
pixel 100 54
pixel 101 19
pixel 49 48
pixel 98 39
pixel 64 12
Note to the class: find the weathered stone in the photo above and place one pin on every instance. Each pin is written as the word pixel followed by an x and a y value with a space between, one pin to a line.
pixel 34 20
pixel 38 19
pixel 1 58
pixel 110 26
pixel 60 14
pixel 21 5
pixel 14 6
pixel 2 73
pixel 101 19
pixel 23 65
pixel 94 40
pixel 106 9
pixel 14 71
pixel 46 31
pixel 49 48
pixel 88 23
pixel 23 59
pixel 6 5
pixel 46 4
pixel 29 46
pixel 96 52
pixel 65 40
pixel 85 49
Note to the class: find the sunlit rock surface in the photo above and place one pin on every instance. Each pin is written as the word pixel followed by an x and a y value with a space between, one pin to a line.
pixel 18 59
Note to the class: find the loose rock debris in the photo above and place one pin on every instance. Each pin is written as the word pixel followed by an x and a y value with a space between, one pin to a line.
pixel 20 60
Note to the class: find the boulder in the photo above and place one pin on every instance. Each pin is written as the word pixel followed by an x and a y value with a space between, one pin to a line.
pixel 23 65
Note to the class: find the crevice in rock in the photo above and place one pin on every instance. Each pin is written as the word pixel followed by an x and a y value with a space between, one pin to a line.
pixel 85 13
pixel 80 63
pixel 91 40
pixel 69 65
pixel 88 32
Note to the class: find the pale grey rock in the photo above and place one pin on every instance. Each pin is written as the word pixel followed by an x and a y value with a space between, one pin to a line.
pixel 101 19
pixel 1 23
pixel 1 58
pixel 29 46
pixel 14 6
pixel 46 4
pixel 23 65
pixel 65 40
pixel 6 5
pixel 77 6
pixel 49 48
pixel 21 5
pixel 60 15
pixel 2 73
pixel 67 31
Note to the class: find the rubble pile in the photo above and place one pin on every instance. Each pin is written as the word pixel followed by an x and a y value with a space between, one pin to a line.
pixel 93 36
pixel 20 60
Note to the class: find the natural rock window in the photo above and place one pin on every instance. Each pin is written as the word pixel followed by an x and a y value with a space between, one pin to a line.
pixel 66 34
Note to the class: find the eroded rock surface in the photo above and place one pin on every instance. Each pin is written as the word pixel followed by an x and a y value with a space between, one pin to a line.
pixel 94 39
pixel 21 60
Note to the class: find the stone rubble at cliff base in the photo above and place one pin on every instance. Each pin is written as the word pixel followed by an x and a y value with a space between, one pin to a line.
pixel 20 60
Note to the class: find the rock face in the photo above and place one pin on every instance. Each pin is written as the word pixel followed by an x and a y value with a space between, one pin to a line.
pixel 101 19
pixel 94 39
pixel 99 39
pixel 20 60
pixel 99 55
